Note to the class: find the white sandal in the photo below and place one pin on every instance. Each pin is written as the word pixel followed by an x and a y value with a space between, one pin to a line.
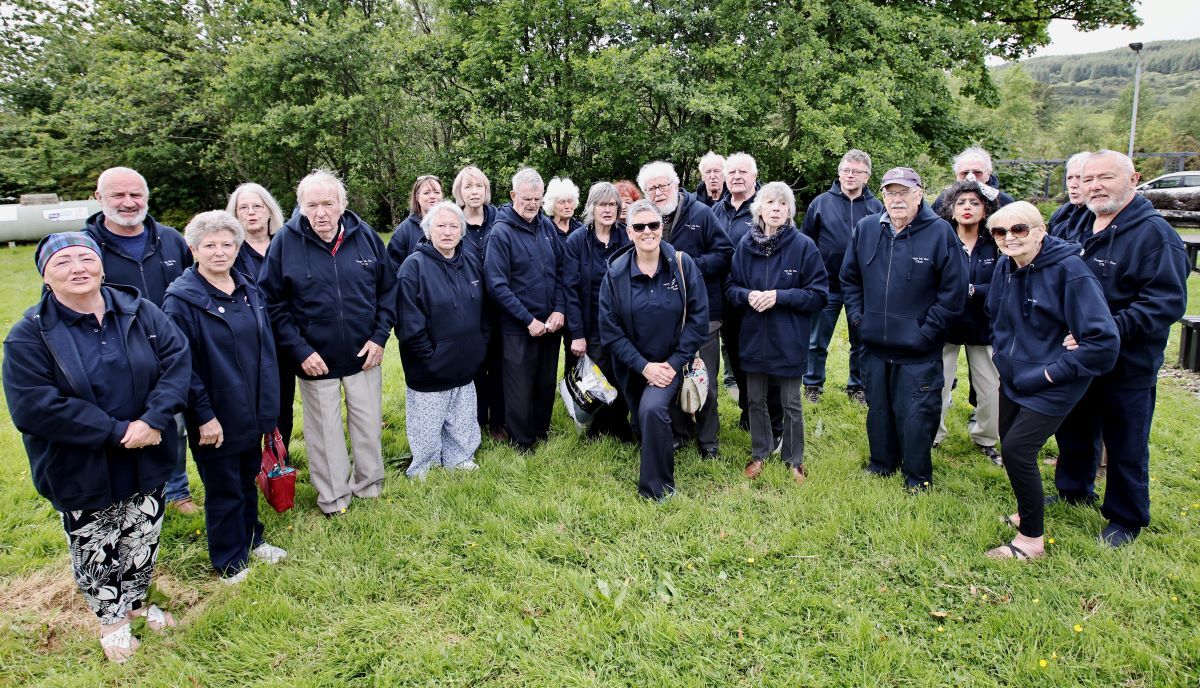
pixel 119 645
pixel 156 619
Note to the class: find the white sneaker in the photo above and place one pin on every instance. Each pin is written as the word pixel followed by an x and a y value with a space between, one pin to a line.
pixel 236 578
pixel 467 466
pixel 268 553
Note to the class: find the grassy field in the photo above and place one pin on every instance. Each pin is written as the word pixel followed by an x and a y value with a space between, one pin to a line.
pixel 548 570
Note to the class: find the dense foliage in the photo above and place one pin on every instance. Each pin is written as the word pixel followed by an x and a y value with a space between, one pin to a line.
pixel 202 94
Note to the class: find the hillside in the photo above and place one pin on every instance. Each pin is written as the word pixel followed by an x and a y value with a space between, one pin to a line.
pixel 1170 71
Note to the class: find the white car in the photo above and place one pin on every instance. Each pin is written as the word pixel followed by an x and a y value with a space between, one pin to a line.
pixel 1174 183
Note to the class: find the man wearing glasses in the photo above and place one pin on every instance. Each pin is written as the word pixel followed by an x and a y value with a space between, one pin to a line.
pixel 828 222
pixel 903 279
pixel 691 227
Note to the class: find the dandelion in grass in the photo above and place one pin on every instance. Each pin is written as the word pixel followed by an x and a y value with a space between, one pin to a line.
pixel 1078 628
pixel 1043 663
pixel 1174 598
pixel 749 560
pixel 1049 541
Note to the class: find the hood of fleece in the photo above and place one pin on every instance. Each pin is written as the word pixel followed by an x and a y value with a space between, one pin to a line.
pixel 836 190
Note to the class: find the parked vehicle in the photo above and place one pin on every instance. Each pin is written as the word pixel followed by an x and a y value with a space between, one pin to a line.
pixel 1174 183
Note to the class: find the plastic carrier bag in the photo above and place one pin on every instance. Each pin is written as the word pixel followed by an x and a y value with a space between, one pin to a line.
pixel 584 390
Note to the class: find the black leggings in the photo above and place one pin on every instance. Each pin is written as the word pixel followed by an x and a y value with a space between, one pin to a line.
pixel 1023 432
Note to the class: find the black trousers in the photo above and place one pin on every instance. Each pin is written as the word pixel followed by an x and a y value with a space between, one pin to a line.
pixel 530 372
pixel 287 399
pixel 731 328
pixel 1023 432
pixel 231 508
pixel 706 424
pixel 653 409
pixel 904 405
pixel 489 385
pixel 1122 419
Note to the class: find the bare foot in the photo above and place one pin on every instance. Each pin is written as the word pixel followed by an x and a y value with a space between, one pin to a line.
pixel 1021 547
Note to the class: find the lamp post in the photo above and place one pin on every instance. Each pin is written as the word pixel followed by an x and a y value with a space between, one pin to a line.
pixel 1137 85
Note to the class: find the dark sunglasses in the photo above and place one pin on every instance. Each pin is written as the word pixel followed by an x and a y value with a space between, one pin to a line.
pixel 1018 231
pixel 640 227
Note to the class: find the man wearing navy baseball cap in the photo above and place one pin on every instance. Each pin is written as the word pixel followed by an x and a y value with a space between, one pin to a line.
pixel 904 278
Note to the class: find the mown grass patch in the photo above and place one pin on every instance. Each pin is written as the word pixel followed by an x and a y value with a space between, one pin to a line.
pixel 548 570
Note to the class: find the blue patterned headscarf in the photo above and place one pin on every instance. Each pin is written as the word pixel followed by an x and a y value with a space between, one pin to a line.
pixel 56 242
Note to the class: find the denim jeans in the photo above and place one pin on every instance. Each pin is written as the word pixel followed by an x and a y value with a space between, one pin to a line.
pixel 823 325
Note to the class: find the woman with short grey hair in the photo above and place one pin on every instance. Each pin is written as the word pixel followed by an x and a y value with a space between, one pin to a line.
pixel 443 335
pixel 234 396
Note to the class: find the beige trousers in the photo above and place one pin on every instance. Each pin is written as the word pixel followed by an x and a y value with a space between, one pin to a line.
pixel 325 439
pixel 985 430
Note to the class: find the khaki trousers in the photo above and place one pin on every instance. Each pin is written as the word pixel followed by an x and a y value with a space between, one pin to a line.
pixel 325 440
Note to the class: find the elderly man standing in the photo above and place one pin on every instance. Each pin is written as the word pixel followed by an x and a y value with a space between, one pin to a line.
pixel 1066 223
pixel 976 163
pixel 690 226
pixel 331 293
pixel 1142 267
pixel 712 179
pixel 733 215
pixel 523 266
pixel 904 279
pixel 829 221
pixel 139 252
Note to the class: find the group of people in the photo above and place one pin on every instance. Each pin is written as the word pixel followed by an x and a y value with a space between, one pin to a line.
pixel 144 337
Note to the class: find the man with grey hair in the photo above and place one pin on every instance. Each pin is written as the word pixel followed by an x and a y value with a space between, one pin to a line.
pixel 829 220
pixel 1142 267
pixel 712 179
pixel 975 164
pixel 690 226
pixel 1064 223
pixel 523 266
pixel 139 252
pixel 331 293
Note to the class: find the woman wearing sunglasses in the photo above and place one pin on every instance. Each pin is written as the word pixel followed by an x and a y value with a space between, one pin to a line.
pixel 651 335
pixel 966 207
pixel 777 282
pixel 1051 334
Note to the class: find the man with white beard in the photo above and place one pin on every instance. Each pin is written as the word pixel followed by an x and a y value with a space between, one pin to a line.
pixel 139 252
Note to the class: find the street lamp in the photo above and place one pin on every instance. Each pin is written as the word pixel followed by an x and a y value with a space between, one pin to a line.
pixel 1137 85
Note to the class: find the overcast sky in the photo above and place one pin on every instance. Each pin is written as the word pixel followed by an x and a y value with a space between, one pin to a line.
pixel 1162 20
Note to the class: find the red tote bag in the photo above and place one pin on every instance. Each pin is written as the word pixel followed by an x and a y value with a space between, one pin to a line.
pixel 276 479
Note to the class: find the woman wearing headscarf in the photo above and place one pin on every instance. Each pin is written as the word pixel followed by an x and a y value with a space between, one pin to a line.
pixel 966 207
pixel 588 253
pixel 94 375
pixel 778 281
pixel 1051 333
pixel 443 333
pixel 652 331
pixel 234 395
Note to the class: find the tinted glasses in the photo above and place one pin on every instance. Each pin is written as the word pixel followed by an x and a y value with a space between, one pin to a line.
pixel 1019 231
pixel 640 227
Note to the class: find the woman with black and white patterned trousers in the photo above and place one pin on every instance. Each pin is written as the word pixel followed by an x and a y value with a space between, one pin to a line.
pixel 94 376
pixel 234 396
pixel 443 334
pixel 777 282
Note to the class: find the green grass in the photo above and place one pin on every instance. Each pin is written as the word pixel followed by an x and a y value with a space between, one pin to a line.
pixel 548 570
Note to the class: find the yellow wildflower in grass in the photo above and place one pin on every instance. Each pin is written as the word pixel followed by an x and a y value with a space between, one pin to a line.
pixel 1049 541
pixel 1078 628
pixel 1042 663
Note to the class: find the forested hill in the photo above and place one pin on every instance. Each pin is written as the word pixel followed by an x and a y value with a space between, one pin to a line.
pixel 1170 70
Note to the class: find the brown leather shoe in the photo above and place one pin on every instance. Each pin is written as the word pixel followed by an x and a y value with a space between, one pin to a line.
pixel 185 506
pixel 754 468
pixel 799 474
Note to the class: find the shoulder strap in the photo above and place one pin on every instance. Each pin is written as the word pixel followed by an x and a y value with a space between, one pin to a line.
pixel 683 286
